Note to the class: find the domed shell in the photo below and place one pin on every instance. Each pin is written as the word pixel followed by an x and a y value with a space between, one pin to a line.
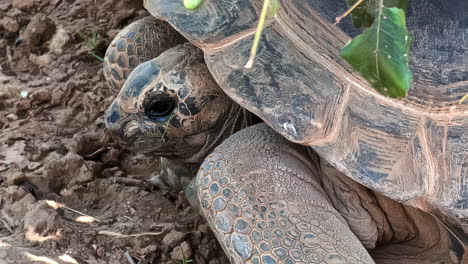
pixel 414 150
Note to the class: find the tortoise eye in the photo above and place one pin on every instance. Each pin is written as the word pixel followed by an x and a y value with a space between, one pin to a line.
pixel 159 106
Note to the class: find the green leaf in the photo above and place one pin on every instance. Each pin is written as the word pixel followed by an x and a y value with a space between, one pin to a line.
pixel 365 13
pixel 192 4
pixel 380 54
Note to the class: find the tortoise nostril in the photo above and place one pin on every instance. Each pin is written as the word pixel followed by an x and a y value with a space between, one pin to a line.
pixel 159 107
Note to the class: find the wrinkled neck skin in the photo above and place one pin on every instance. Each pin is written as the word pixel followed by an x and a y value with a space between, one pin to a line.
pixel 235 119
pixel 177 174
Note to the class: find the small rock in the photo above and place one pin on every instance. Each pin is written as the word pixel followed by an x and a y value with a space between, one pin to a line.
pixel 109 172
pixel 59 40
pixel 23 4
pixel 16 13
pixel 10 24
pixel 34 165
pixel 3 95
pixel 182 252
pixel 70 71
pixel 12 117
pixel 15 193
pixel 100 252
pixel 40 29
pixel 119 174
pixel 42 95
pixel 15 177
pixel 35 83
pixel 206 251
pixel 41 61
pixel 5 6
pixel 59 75
pixel 204 228
pixel 113 33
pixel 173 238
pixel 23 105
pixel 111 156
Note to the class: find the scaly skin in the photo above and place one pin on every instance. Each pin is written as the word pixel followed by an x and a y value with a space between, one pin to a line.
pixel 140 41
pixel 261 194
pixel 268 200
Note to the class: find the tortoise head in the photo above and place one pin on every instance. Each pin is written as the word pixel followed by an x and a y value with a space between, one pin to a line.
pixel 169 106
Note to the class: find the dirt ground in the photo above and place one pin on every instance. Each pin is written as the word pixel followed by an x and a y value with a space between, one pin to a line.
pixel 68 192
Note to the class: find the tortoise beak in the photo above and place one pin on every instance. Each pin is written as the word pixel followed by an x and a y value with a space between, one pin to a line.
pixel 133 129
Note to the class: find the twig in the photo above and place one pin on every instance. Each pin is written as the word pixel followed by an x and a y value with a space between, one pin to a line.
pixel 119 235
pixel 463 99
pixel 97 152
pixel 56 205
pixel 145 184
pixel 258 34
pixel 338 19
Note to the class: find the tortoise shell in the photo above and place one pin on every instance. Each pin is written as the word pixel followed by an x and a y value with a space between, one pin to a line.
pixel 413 150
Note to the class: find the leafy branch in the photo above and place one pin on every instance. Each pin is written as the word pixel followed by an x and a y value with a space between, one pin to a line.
pixel 380 53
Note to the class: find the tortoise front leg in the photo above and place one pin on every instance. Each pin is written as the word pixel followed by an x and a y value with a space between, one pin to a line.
pixel 260 194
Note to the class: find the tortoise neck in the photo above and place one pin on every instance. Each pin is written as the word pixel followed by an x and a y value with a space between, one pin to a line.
pixel 235 119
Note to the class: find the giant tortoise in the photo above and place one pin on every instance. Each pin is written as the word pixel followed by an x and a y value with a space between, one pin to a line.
pixel 301 160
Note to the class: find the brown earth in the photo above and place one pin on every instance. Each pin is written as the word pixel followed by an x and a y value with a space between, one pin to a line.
pixel 67 190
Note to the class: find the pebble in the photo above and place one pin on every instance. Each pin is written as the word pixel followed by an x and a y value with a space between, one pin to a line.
pixel 12 117
pixel 173 238
pixel 110 156
pixel 35 83
pixel 40 29
pixel 182 252
pixel 23 4
pixel 119 174
pixel 23 105
pixel 4 6
pixel 100 252
pixel 34 165
pixel 41 95
pixel 70 71
pixel 10 24
pixel 59 41
pixel 113 33
pixel 41 61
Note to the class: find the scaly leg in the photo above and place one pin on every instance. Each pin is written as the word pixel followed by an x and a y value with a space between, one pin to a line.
pixel 260 194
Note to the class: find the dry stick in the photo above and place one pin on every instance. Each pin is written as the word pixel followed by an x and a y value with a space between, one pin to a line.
pixel 463 99
pixel 258 34
pixel 97 152
pixel 54 203
pixel 338 19
pixel 119 235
